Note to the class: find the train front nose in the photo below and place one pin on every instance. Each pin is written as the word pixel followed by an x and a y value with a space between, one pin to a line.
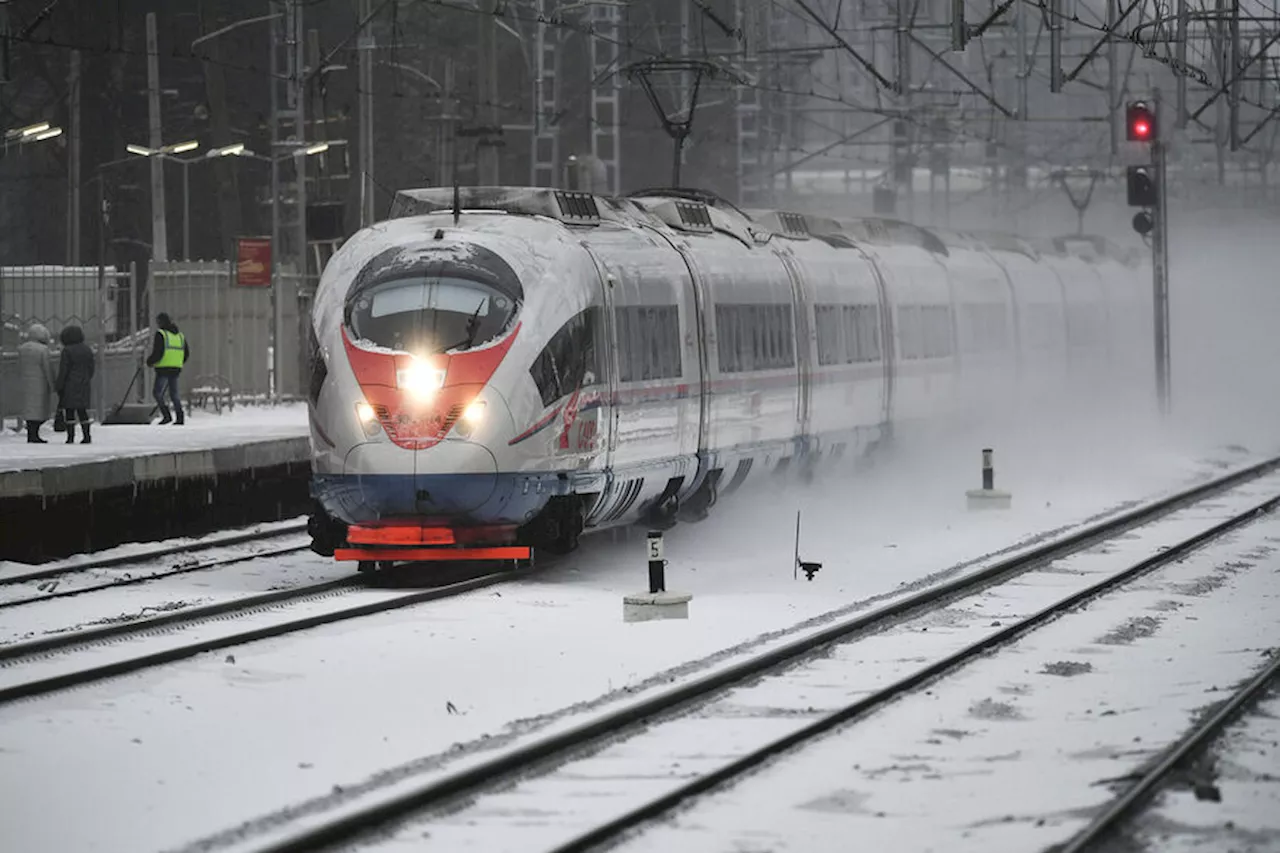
pixel 450 479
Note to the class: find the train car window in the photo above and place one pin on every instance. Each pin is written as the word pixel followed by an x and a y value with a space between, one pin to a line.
pixel 862 333
pixel 831 348
pixel 427 314
pixel 754 337
pixel 1084 325
pixel 936 323
pixel 570 360
pixel 984 329
pixel 910 332
pixel 1040 334
pixel 648 342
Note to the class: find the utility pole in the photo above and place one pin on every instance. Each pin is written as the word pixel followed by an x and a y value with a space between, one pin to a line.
pixel 1113 94
pixel 487 166
pixel 903 161
pixel 1233 70
pixel 1055 46
pixel 1180 53
pixel 73 163
pixel 1148 189
pixel 288 173
pixel 159 234
pixel 366 45
pixel 1160 265
pixel 447 165
pixel 6 64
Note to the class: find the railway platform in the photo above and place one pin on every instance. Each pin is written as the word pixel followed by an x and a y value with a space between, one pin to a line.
pixel 139 483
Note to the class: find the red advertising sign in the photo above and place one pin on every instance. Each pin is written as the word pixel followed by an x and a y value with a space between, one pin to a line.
pixel 253 262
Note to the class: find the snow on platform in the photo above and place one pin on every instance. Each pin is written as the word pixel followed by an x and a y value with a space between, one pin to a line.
pixel 202 431
pixel 142 483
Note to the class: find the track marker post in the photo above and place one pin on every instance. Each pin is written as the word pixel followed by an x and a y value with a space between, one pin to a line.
pixel 657 603
pixel 809 569
pixel 988 497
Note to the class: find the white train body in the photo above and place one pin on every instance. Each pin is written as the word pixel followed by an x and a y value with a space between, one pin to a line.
pixel 535 363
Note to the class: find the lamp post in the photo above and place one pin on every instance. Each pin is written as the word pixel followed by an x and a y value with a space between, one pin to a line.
pixel 38 132
pixel 163 152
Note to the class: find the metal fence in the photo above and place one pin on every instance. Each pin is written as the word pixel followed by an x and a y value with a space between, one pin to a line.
pixel 229 328
pixel 106 308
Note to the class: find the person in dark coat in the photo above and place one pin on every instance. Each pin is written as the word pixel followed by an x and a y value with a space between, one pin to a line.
pixel 169 352
pixel 74 372
pixel 35 366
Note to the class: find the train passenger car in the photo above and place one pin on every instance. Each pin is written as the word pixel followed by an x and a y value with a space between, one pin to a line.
pixel 497 369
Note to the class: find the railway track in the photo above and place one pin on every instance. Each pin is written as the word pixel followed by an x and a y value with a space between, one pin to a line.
pixel 54 658
pixel 139 563
pixel 1157 774
pixel 647 728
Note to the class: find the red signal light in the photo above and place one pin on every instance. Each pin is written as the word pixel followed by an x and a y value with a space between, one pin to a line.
pixel 1140 122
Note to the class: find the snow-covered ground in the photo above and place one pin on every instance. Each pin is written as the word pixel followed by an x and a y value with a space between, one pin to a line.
pixel 302 723
pixel 552 809
pixel 202 431
pixel 1012 752
pixel 161 594
pixel 1243 770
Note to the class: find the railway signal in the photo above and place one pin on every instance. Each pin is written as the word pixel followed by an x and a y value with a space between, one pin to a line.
pixel 1142 186
pixel 1140 122
pixel 1146 186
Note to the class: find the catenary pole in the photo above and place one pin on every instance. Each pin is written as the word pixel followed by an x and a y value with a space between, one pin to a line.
pixel 159 239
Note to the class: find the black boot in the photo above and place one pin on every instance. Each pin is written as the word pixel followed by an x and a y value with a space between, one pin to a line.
pixel 85 427
pixel 33 433
pixel 71 431
pixel 181 420
pixel 165 417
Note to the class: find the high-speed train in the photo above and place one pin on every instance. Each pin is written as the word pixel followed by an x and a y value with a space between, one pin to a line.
pixel 498 369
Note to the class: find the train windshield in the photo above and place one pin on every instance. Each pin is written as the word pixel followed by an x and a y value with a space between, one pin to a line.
pixel 430 314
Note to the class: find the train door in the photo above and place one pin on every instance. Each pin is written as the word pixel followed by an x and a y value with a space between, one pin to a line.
pixel 608 277
pixel 888 352
pixel 801 301
pixel 695 301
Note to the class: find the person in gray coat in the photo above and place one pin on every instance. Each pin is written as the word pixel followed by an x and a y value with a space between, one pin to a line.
pixel 35 367
pixel 72 384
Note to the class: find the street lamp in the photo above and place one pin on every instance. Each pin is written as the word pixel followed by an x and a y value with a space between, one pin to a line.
pixel 157 204
pixel 237 149
pixel 165 152
pixel 37 132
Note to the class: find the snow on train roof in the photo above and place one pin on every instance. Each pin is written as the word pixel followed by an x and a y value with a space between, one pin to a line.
pixel 695 210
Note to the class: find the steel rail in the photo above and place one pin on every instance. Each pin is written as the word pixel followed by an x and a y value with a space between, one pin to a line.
pixel 182 570
pixel 1110 818
pixel 89 675
pixel 503 769
pixel 166 551
pixel 89 636
pixel 898 689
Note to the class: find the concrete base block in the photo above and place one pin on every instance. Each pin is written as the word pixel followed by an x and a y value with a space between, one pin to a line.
pixel 646 606
pixel 988 499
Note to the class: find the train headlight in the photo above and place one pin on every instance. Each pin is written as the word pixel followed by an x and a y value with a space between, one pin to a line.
pixel 368 419
pixel 472 416
pixel 420 379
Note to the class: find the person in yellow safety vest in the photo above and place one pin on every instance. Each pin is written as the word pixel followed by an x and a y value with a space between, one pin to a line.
pixel 169 352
